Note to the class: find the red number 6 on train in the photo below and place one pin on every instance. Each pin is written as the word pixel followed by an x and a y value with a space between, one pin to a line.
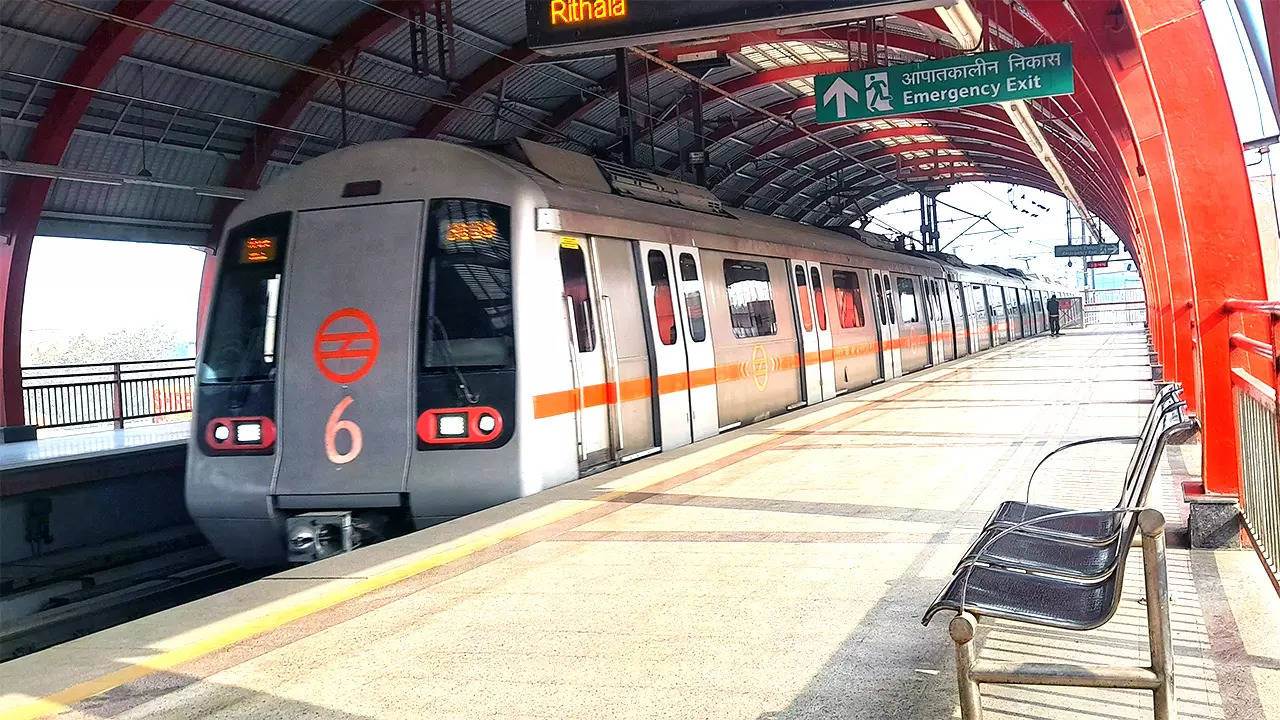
pixel 335 426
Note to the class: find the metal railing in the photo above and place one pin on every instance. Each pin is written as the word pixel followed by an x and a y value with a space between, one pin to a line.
pixel 1121 306
pixel 1256 401
pixel 55 396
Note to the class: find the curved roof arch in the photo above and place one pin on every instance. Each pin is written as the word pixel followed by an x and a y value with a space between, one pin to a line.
pixel 234 92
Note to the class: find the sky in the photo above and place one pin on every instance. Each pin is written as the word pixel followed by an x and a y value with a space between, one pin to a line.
pixel 97 286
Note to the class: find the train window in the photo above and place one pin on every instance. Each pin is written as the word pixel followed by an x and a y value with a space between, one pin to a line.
pixel 750 299
pixel 688 267
pixel 241 341
pixel 697 321
pixel 848 299
pixel 466 318
pixel 573 268
pixel 884 317
pixel 907 298
pixel 693 299
pixel 802 291
pixel 819 301
pixel 664 312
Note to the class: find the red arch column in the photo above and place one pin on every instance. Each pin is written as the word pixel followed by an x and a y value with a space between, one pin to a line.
pixel 91 67
pixel 1218 228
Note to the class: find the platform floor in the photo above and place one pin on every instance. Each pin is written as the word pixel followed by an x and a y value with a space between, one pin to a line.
pixel 777 572
pixel 91 445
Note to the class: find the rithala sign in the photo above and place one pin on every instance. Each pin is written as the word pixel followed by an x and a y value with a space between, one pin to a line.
pixel 980 79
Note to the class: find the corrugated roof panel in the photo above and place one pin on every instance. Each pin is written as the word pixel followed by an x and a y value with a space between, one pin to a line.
pixel 55 21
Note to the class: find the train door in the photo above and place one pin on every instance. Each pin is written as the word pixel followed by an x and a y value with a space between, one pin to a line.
pixel 960 320
pixel 348 425
pixel 1015 313
pixel 822 327
pixel 704 413
pixel 813 331
pixel 912 326
pixel 806 331
pixel 670 380
pixel 983 334
pixel 616 307
pixel 930 318
pixel 887 319
pixel 945 311
pixel 587 360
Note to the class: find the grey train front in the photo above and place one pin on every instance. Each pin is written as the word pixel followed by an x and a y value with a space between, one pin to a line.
pixel 408 331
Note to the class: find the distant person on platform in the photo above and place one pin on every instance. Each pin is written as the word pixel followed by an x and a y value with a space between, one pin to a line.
pixel 1052 307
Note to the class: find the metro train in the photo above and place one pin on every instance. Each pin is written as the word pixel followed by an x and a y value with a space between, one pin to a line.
pixel 407 331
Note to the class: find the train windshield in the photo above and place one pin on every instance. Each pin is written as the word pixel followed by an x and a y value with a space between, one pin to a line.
pixel 466 294
pixel 241 342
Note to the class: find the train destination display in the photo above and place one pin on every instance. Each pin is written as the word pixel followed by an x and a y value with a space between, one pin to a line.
pixel 979 79
pixel 573 26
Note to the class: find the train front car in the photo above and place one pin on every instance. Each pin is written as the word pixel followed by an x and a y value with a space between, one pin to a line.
pixel 358 372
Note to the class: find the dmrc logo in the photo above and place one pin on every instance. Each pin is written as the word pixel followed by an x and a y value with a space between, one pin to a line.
pixel 759 367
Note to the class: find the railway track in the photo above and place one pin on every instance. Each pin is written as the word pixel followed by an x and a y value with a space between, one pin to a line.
pixel 50 599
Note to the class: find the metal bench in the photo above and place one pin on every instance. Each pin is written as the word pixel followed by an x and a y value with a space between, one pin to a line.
pixel 1064 568
pixel 1083 547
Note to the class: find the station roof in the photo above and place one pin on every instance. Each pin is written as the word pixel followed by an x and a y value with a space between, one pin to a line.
pixel 179 99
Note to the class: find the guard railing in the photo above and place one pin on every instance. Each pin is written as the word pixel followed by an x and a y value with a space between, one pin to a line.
pixel 56 396
pixel 1256 393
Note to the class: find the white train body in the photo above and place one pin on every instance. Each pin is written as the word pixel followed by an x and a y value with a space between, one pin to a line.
pixel 408 331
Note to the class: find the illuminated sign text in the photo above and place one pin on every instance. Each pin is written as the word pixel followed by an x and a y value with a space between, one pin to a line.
pixel 472 230
pixel 568 12
pixel 258 250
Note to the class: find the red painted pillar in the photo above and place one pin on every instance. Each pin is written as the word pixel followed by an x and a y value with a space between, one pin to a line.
pixel 26 198
pixel 1214 203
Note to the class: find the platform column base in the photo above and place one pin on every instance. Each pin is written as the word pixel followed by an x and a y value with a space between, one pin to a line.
pixel 1213 521
pixel 17 433
pixel 1157 372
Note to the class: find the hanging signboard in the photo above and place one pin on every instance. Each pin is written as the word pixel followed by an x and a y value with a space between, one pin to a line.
pixel 560 27
pixel 991 77
pixel 1085 250
pixel 1095 264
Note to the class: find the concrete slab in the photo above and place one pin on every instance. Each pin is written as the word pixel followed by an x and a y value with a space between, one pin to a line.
pixel 777 572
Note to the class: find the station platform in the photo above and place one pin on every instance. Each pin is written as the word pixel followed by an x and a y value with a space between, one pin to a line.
pixel 30 466
pixel 779 571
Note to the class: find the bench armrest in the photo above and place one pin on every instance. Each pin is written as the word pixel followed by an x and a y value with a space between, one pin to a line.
pixel 1078 443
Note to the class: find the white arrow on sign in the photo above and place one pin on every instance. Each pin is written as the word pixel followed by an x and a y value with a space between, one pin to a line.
pixel 842 92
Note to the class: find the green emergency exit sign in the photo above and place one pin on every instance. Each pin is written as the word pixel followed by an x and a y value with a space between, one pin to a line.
pixel 992 77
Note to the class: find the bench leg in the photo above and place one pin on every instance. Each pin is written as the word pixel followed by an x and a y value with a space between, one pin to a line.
pixel 963 627
pixel 1156 580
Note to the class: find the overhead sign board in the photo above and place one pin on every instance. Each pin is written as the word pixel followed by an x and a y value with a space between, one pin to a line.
pixel 1095 264
pixel 558 27
pixel 1085 250
pixel 980 79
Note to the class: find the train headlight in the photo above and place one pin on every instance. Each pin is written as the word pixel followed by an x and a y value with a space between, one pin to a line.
pixel 253 435
pixel 249 433
pixel 459 425
pixel 452 426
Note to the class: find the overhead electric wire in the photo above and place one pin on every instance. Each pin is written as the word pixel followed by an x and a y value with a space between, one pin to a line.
pixel 436 101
